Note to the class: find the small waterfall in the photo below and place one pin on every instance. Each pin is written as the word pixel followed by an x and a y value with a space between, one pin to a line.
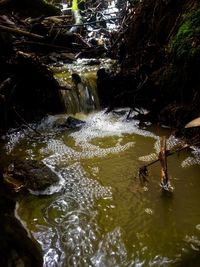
pixel 79 92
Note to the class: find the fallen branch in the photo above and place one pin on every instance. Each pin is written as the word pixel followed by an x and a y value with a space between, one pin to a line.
pixel 21 32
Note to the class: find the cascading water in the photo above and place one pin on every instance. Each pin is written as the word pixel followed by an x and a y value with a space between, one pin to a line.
pixel 78 81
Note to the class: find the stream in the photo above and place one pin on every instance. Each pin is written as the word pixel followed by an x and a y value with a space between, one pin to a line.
pixel 99 214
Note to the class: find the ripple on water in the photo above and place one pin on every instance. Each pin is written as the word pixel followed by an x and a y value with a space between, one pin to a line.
pixel 71 217
pixel 111 250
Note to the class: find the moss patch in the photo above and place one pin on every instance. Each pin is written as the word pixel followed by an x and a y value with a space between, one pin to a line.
pixel 186 43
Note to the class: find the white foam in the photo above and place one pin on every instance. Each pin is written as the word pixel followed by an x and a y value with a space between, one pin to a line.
pixel 194 160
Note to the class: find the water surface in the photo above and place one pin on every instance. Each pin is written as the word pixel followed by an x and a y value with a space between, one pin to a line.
pixel 100 214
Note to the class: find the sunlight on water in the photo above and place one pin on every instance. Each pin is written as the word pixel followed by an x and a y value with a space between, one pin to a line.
pixel 99 214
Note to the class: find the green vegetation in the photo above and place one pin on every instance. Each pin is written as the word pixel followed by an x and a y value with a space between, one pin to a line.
pixel 186 43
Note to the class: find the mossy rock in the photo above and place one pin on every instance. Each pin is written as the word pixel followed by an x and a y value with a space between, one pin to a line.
pixel 186 43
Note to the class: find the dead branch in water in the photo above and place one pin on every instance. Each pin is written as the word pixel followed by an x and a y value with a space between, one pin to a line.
pixel 163 162
pixel 143 171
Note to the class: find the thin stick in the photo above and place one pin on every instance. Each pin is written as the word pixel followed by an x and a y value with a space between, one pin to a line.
pixel 26 123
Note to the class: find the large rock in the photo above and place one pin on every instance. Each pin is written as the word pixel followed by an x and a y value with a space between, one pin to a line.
pixel 16 246
pixel 29 174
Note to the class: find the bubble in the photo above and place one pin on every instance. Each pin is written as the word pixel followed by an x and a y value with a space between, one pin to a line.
pixel 149 211
pixel 14 137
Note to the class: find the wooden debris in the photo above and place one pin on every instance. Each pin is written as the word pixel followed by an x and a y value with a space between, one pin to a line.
pixel 193 123
pixel 163 162
pixel 143 171
pixel 143 174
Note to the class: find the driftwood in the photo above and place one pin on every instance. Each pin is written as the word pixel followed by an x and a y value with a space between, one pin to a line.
pixel 21 32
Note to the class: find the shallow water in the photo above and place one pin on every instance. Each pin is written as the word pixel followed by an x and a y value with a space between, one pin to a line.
pixel 100 214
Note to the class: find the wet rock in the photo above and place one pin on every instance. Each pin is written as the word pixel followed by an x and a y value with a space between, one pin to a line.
pixel 29 174
pixel 16 248
pixel 73 123
pixel 70 123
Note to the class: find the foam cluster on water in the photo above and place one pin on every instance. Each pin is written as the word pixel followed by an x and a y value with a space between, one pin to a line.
pixel 195 159
pixel 102 125
pixel 148 158
pixel 97 125
pixel 76 181
pixel 171 143
pixel 14 137
pixel 62 153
